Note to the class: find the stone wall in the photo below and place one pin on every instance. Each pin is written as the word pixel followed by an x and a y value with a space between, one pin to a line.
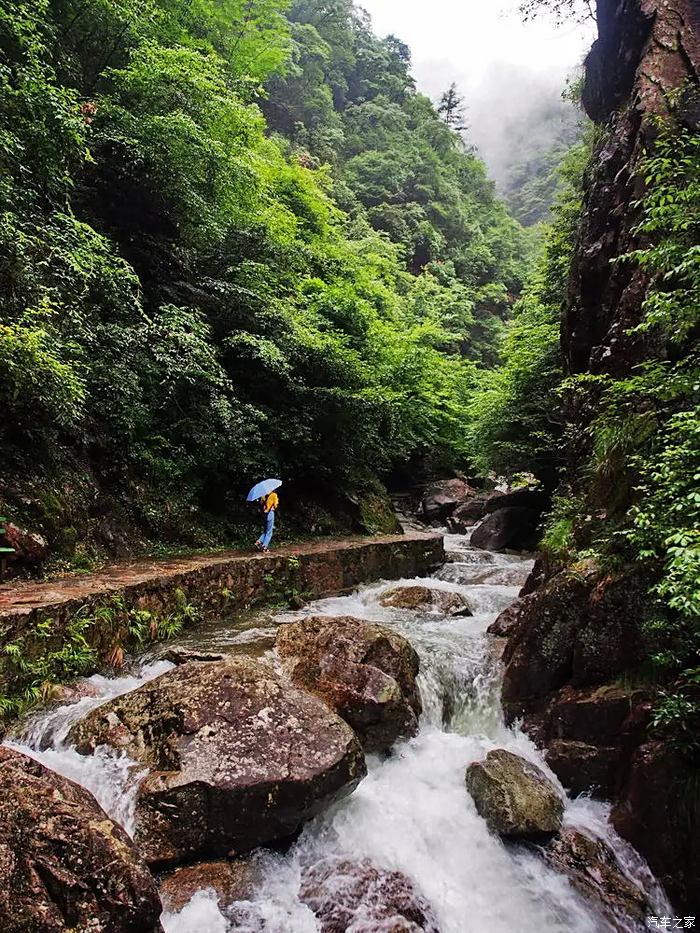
pixel 49 621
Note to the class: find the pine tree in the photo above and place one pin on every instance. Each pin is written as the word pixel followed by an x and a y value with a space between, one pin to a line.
pixel 452 110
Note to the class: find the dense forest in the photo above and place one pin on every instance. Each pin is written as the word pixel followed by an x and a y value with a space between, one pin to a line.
pixel 538 142
pixel 235 242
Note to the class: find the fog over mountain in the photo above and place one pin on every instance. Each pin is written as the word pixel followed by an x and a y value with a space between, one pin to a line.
pixel 510 73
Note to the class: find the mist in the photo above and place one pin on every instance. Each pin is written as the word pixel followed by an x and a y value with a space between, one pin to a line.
pixel 510 73
pixel 515 112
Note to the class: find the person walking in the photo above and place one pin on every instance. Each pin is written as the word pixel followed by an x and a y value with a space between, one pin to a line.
pixel 268 505
pixel 268 502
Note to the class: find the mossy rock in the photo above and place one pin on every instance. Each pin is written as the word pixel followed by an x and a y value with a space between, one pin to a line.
pixel 378 515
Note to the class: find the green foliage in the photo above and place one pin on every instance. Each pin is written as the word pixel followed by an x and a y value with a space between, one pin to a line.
pixel 515 418
pixel 558 540
pixel 536 168
pixel 666 529
pixel 672 221
pixel 141 627
pixel 47 654
pixel 399 161
pixel 191 298
pixel 451 109
pixel 33 662
pixel 644 470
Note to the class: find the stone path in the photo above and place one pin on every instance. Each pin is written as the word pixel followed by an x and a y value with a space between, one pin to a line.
pixel 20 597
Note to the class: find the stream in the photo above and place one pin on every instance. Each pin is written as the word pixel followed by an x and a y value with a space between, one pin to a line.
pixel 412 812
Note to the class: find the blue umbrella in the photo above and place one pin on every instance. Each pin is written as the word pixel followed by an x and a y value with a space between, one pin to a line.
pixel 263 489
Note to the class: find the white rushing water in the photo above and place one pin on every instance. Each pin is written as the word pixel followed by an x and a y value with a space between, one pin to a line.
pixel 111 777
pixel 412 812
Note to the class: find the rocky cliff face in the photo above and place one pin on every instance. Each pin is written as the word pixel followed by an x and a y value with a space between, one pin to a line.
pixel 574 641
pixel 648 52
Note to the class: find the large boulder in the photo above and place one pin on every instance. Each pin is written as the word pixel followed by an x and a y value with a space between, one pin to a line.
pixel 512 576
pixel 512 528
pixel 441 499
pixel 346 895
pixel 591 733
pixel 607 715
pixel 584 768
pixel 31 549
pixel 507 621
pixel 65 865
pixel 363 671
pixel 524 498
pixel 514 796
pixel 593 869
pixel 237 757
pixel 467 515
pixel 539 656
pixel 424 597
pixel 539 574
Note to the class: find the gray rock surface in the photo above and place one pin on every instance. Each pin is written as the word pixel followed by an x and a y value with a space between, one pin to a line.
pixel 237 757
pixel 514 796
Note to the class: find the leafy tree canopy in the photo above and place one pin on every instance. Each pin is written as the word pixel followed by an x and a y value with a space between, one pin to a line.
pixel 234 241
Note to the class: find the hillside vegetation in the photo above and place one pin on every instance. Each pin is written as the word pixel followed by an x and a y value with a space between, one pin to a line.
pixel 232 243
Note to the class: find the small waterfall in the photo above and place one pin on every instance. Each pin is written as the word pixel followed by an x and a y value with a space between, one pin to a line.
pixel 412 812
pixel 111 778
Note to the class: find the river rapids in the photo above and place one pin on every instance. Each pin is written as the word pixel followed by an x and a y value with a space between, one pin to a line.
pixel 412 812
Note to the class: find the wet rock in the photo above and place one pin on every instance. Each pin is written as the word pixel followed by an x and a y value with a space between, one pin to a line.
pixel 346 895
pixel 506 622
pixel 591 734
pixel 441 499
pixel 512 528
pixel 63 694
pixel 31 549
pixel 514 796
pixel 526 498
pixel 514 576
pixel 579 628
pixel 237 757
pixel 607 715
pixel 583 768
pixel 540 652
pixel 496 648
pixel 593 869
pixel 65 866
pixel 363 671
pixel 231 880
pixel 467 515
pixel 178 654
pixel 423 597
pixel 539 574
pixel 659 814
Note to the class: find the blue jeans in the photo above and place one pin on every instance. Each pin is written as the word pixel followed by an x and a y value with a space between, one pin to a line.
pixel 266 536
